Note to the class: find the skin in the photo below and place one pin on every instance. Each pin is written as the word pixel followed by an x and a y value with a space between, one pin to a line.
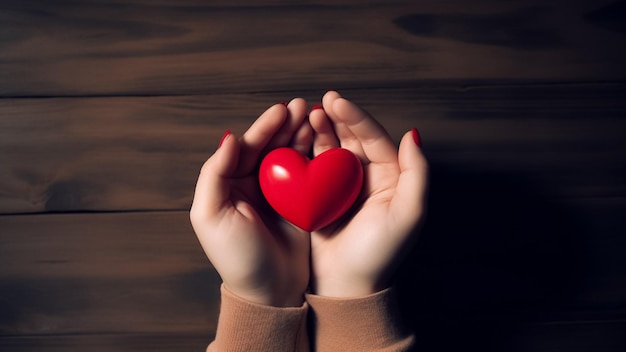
pixel 266 260
pixel 357 256
pixel 259 256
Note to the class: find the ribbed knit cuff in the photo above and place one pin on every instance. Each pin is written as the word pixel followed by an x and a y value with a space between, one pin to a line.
pixel 250 327
pixel 370 323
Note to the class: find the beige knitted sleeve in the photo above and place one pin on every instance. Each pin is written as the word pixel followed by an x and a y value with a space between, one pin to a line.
pixel 246 326
pixel 370 323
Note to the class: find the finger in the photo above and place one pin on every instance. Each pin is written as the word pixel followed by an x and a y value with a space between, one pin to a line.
pixel 374 140
pixel 259 135
pixel 296 114
pixel 325 137
pixel 408 202
pixel 346 138
pixel 212 188
pixel 303 138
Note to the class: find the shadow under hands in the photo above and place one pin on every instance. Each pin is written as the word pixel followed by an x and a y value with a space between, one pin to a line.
pixel 494 253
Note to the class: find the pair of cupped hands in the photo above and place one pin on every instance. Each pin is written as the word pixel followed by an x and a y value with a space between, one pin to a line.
pixel 266 260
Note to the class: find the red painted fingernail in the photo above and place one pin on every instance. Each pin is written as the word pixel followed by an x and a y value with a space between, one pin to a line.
pixel 226 134
pixel 317 106
pixel 416 137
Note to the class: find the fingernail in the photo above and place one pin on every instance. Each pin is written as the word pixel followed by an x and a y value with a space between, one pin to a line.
pixel 226 134
pixel 416 137
pixel 317 106
pixel 284 103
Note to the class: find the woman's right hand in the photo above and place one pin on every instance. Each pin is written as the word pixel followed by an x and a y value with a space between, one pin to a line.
pixel 358 255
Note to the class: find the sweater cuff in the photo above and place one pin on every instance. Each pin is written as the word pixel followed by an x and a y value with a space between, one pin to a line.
pixel 248 326
pixel 370 323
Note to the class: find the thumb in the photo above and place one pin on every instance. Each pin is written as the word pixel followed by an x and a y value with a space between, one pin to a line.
pixel 408 202
pixel 213 186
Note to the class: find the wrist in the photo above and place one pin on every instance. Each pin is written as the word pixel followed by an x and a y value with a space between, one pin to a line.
pixel 267 298
pixel 337 288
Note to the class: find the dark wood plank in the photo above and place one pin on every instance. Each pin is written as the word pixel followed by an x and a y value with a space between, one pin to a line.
pixel 134 153
pixel 83 48
pixel 122 281
pixel 110 273
pixel 107 343
pixel 520 105
pixel 580 337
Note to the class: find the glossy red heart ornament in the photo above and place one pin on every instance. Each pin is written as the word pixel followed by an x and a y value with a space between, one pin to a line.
pixel 311 194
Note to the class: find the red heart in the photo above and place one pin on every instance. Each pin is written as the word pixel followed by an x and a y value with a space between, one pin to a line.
pixel 311 194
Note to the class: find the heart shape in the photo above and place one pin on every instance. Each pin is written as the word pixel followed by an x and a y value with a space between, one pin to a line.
pixel 311 194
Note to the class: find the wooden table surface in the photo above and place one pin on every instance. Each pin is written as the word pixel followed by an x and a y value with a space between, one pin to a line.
pixel 109 108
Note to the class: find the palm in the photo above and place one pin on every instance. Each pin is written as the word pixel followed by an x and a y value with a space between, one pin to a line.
pixel 355 246
pixel 273 251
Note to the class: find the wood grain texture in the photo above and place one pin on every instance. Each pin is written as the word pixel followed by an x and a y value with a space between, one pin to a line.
pixel 107 343
pixel 59 48
pixel 109 108
pixel 104 274
pixel 139 153
pixel 577 337
pixel 522 274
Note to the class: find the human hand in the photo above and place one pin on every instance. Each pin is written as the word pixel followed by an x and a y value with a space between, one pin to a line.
pixel 259 256
pixel 357 256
